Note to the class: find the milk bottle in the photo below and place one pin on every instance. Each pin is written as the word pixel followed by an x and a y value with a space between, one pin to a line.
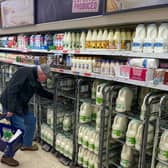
pixel 139 136
pixel 126 156
pixel 86 159
pixel 69 41
pixel 80 135
pixel 161 43
pixel 85 112
pixel 140 35
pixel 70 149
pixel 95 161
pixel 73 41
pixel 50 116
pixel 124 100
pixel 99 38
pixel 94 112
pixel 117 40
pixel 94 87
pixel 160 165
pixel 163 146
pixel 67 122
pixel 96 143
pixel 128 40
pixel 152 32
pixel 80 155
pixel 107 68
pixel 91 161
pixel 103 67
pixel 86 137
pixel 92 140
pixel 77 41
pixel 82 40
pixel 131 132
pixel 104 43
pixel 99 93
pixel 88 39
pixel 119 126
pixel 123 39
pixel 112 71
pixel 110 39
pixel 94 39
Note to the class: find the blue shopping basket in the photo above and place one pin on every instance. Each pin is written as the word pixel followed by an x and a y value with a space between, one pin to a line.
pixel 14 145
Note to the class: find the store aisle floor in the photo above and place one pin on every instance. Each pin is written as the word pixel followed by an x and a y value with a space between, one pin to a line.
pixel 38 159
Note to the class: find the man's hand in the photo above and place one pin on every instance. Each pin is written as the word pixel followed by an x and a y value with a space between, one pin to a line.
pixel 9 114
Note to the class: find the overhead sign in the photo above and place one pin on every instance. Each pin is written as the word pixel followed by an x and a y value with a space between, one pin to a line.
pixel 82 6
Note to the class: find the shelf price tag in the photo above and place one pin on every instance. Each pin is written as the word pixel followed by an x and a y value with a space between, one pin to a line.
pixel 77 51
pixel 65 51
pixel 88 74
pixel 61 70
pixel 75 73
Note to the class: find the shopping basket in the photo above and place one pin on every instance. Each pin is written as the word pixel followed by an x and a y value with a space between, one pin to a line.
pixel 11 145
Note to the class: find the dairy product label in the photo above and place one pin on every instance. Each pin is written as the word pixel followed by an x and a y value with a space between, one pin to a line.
pixel 99 100
pixel 91 146
pixel 158 44
pixel 84 118
pixel 136 44
pixel 120 106
pixel 164 153
pixel 125 163
pixel 86 163
pixel 146 44
pixel 116 132
pixel 131 140
pixel 93 116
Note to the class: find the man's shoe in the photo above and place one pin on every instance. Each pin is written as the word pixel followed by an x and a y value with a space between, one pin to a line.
pixel 9 161
pixel 34 147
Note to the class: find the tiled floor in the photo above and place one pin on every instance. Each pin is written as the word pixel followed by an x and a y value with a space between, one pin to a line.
pixel 38 159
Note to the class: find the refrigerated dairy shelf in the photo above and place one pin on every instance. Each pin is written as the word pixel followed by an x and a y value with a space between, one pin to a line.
pixel 107 52
pixel 148 84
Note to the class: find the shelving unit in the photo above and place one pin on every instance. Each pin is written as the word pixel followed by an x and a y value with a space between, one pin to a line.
pixel 106 155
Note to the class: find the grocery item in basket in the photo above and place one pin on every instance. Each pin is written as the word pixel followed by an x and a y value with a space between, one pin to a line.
pixel 124 100
pixel 163 146
pixel 119 126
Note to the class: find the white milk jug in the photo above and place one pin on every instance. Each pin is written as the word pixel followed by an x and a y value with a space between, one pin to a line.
pixel 85 112
pixel 80 135
pixel 140 35
pixel 94 87
pixel 126 156
pixel 92 140
pixel 161 43
pixel 124 100
pixel 82 40
pixel 91 161
pixel 119 126
pixel 86 137
pixel 94 112
pixel 99 93
pixel 163 146
pixel 50 116
pixel 95 161
pixel 160 165
pixel 152 33
pixel 139 136
pixel 96 143
pixel 131 132
pixel 66 148
pixel 80 155
pixel 67 123
pixel 86 159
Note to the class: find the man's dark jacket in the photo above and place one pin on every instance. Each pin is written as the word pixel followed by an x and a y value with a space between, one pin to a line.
pixel 20 89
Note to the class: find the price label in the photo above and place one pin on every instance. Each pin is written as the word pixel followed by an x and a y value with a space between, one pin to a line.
pixel 77 51
pixel 87 74
pixel 61 70
pixel 65 51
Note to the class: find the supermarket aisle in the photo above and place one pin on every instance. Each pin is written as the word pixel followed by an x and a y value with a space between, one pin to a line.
pixel 39 159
